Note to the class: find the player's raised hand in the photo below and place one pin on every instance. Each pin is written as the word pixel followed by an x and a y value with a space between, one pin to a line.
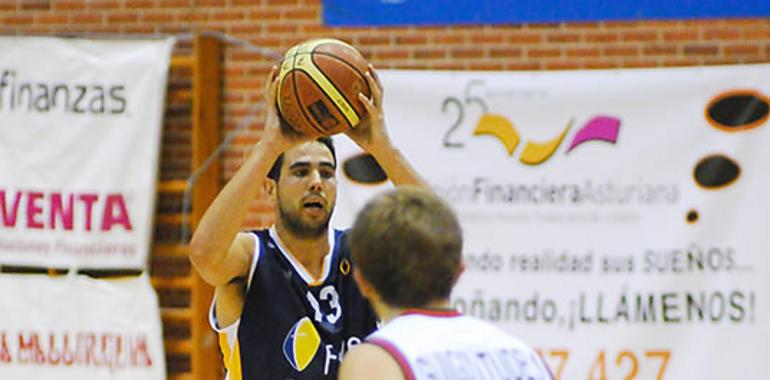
pixel 370 133
pixel 281 136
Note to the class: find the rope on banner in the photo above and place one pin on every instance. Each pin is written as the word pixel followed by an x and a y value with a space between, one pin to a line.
pixel 192 179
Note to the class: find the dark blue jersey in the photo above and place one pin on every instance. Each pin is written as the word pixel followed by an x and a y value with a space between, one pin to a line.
pixel 293 326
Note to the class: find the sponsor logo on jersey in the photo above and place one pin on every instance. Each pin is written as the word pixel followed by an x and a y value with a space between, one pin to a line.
pixel 345 267
pixel 301 344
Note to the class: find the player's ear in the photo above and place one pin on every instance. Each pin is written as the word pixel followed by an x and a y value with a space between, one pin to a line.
pixel 460 270
pixel 269 187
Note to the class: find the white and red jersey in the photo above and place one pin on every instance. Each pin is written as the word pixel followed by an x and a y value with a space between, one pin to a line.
pixel 439 345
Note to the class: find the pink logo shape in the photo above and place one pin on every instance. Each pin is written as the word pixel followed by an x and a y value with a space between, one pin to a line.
pixel 602 128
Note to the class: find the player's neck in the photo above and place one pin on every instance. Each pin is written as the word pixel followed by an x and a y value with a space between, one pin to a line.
pixel 310 252
pixel 387 313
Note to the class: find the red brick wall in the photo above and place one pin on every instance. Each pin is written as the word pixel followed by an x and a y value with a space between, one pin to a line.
pixel 278 24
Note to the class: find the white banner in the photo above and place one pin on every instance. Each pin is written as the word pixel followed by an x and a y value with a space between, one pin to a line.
pixel 79 328
pixel 79 135
pixel 616 220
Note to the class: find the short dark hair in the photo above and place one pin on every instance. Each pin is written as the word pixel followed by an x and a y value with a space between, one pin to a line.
pixel 407 243
pixel 275 170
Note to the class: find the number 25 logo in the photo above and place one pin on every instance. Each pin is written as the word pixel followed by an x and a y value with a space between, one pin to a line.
pixel 602 128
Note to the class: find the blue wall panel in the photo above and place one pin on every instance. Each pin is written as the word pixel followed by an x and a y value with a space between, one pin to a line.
pixel 452 12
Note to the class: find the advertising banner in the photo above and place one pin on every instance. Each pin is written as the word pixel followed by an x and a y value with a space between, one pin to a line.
pixel 79 135
pixel 79 328
pixel 616 220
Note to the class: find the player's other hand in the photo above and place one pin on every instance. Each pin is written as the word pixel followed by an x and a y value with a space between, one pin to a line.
pixel 281 136
pixel 370 133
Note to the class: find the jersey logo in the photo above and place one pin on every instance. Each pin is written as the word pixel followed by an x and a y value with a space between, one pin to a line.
pixel 345 267
pixel 301 344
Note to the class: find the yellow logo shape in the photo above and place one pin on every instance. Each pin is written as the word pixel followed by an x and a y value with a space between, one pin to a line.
pixel 500 127
pixel 536 153
pixel 301 344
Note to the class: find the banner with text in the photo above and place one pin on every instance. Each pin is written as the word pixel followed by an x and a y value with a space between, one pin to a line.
pixel 79 328
pixel 616 220
pixel 79 135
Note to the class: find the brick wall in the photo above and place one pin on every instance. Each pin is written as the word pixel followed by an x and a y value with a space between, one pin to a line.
pixel 278 24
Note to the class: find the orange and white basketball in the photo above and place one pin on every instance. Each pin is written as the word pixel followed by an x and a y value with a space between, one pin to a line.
pixel 319 83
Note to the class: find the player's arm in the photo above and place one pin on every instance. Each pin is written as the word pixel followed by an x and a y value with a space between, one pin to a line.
pixel 368 361
pixel 229 300
pixel 217 251
pixel 372 137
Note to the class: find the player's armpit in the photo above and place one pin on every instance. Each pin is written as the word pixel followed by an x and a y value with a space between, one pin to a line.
pixel 368 361
pixel 229 300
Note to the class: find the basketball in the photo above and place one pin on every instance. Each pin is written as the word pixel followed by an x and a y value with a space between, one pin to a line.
pixel 318 87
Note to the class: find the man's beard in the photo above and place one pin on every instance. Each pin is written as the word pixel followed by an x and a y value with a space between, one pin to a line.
pixel 299 228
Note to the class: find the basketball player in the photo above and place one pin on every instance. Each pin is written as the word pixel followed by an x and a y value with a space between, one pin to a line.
pixel 406 246
pixel 286 305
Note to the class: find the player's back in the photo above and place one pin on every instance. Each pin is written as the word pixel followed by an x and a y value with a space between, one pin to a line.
pixel 449 345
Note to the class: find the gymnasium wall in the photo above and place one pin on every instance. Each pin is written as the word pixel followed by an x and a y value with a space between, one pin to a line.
pixel 278 24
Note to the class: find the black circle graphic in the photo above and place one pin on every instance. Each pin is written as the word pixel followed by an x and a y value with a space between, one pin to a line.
pixel 716 171
pixel 364 169
pixel 738 110
pixel 692 216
